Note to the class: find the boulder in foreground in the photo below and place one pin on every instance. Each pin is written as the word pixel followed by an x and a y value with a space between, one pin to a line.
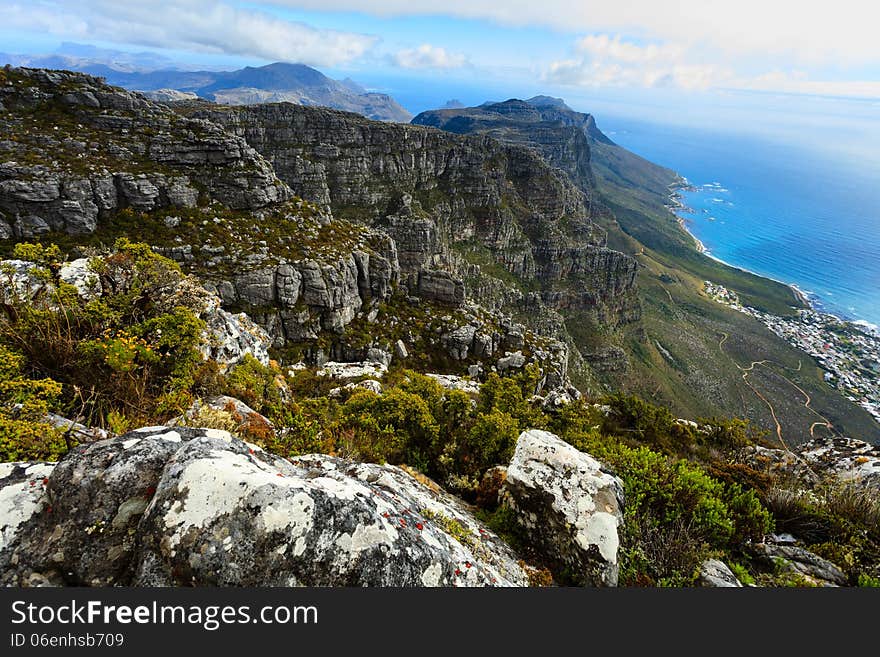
pixel 568 505
pixel 178 506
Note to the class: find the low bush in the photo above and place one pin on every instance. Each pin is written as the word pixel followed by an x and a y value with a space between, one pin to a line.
pixel 24 433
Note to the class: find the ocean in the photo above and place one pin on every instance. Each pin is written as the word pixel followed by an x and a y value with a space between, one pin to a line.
pixel 802 207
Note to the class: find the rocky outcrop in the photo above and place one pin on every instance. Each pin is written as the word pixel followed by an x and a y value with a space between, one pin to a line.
pixel 84 150
pixel 799 561
pixel 447 200
pixel 298 299
pixel 452 382
pixel 560 135
pixel 163 506
pixel 716 574
pixel 227 337
pixel 845 460
pixel 568 504
pixel 22 496
pixel 445 219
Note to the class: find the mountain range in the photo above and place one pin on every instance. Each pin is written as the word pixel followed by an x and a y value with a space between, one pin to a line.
pixel 160 77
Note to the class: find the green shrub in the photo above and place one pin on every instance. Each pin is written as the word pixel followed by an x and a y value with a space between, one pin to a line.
pixel 257 385
pixel 127 357
pixel 490 441
pixel 24 403
pixel 742 573
pixel 675 513
pixel 44 255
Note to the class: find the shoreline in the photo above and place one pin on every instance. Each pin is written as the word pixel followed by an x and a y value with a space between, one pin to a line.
pixel 799 294
pixel 813 304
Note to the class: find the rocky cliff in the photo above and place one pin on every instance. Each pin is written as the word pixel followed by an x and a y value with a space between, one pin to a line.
pixel 514 229
pixel 87 163
pixel 76 151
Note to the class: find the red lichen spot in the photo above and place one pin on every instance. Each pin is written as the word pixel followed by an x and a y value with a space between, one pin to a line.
pixel 467 564
pixel 48 509
pixel 402 522
pixel 45 481
pixel 279 475
pixel 457 572
pixel 33 482
pixel 151 490
pixel 386 515
pixel 419 526
pixel 251 451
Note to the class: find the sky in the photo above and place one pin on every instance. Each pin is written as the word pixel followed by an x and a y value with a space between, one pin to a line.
pixel 680 60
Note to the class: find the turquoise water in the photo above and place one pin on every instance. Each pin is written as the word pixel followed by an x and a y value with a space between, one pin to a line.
pixel 807 214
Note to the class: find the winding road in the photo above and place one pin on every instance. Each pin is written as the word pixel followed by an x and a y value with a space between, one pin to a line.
pixel 807 399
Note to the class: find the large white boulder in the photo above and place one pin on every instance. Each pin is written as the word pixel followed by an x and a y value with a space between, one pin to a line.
pixel 568 504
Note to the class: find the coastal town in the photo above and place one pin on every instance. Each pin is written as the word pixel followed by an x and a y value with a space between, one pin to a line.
pixel 848 352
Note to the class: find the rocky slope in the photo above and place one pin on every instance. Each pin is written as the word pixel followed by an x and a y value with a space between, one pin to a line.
pixel 76 151
pixel 86 163
pixel 181 507
pixel 568 139
pixel 516 232
pixel 672 353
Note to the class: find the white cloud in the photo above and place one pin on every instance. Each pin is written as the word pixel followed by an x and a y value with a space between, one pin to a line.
pixel 197 25
pixel 805 30
pixel 428 56
pixel 602 60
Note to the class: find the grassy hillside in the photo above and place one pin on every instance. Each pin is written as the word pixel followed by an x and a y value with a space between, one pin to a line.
pixel 691 353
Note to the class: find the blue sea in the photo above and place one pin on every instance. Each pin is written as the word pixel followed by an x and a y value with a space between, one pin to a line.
pixel 800 205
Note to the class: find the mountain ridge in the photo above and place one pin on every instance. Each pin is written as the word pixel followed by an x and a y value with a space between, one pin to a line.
pixel 275 82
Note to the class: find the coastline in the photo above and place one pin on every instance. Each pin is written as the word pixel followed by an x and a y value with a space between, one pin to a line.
pixel 813 304
pixel 679 205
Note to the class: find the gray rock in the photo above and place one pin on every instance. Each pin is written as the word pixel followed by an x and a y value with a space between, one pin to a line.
pixel 556 399
pixel 568 505
pixel 715 573
pixel 79 432
pixel 229 338
pixel 23 280
pixel 22 497
pixel 846 459
pixel 440 286
pixel 369 384
pixel 512 361
pixel 400 349
pixel 184 506
pixel 343 371
pixel 803 562
pixel 453 382
pixel 458 341
pixel 79 274
pixel 376 355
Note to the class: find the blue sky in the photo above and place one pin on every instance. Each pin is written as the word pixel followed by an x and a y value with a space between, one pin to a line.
pixel 683 59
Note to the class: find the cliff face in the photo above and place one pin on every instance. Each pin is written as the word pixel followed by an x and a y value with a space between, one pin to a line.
pixel 86 163
pixel 451 202
pixel 75 151
pixel 560 135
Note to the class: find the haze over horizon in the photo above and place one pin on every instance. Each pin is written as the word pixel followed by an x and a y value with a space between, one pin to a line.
pixel 783 46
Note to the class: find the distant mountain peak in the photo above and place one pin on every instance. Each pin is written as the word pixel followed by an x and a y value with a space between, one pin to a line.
pixel 453 103
pixel 276 82
pixel 548 101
